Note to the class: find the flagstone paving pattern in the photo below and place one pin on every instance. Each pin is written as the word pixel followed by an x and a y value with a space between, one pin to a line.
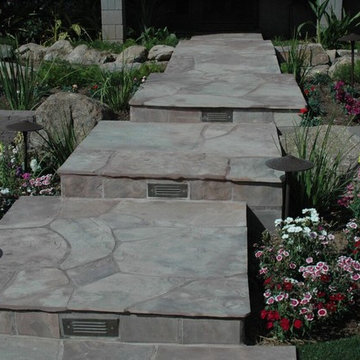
pixel 162 273
pixel 146 254
pixel 28 348
pixel 221 72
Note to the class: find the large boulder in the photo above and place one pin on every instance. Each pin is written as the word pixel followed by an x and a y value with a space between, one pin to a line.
pixel 116 66
pixel 84 55
pixel 161 52
pixel 60 109
pixel 345 60
pixel 32 51
pixel 59 50
pixel 313 53
pixel 132 54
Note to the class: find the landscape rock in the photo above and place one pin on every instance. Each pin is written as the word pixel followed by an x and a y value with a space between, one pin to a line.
pixel 132 54
pixel 333 54
pixel 344 60
pixel 316 70
pixel 84 55
pixel 32 51
pixel 316 55
pixel 59 50
pixel 116 66
pixel 6 51
pixel 344 52
pixel 62 108
pixel 161 52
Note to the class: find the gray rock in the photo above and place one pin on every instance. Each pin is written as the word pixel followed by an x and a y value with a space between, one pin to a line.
pixel 333 54
pixel 315 54
pixel 59 50
pixel 161 53
pixel 318 69
pixel 6 51
pixel 117 66
pixel 344 60
pixel 132 54
pixel 60 109
pixel 33 51
pixel 84 55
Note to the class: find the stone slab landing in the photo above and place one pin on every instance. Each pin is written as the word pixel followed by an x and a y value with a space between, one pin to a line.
pixel 152 266
pixel 220 78
pixel 179 161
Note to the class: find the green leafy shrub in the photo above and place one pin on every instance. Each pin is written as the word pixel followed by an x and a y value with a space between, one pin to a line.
pixel 20 84
pixel 343 73
pixel 152 36
pixel 116 89
pixel 336 28
pixel 59 144
pixel 295 60
pixel 321 186
pixel 62 74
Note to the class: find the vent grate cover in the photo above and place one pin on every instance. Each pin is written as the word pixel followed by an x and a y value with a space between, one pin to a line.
pixel 217 116
pixel 177 191
pixel 90 327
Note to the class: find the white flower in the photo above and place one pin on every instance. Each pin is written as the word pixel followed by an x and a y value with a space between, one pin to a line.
pixel 34 165
pixel 277 222
pixel 4 191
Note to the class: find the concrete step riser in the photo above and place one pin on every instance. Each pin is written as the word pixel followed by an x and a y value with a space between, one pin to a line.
pixel 127 328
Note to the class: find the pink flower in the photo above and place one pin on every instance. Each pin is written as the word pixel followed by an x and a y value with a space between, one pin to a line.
pixel 279 257
pixel 322 312
pixel 26 176
pixel 355 277
pixel 270 300
pixel 258 254
pixel 309 317
pixel 294 302
pixel 280 297
pixel 303 311
pixel 292 266
pixel 263 270
pixel 267 293
pixel 309 260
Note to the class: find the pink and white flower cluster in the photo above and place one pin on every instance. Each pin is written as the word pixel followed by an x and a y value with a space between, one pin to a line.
pixel 303 276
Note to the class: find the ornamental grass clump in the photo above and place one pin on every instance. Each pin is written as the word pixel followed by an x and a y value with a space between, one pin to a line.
pixel 308 285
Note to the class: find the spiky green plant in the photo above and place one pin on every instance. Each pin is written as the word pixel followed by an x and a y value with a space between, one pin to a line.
pixel 20 85
pixel 321 186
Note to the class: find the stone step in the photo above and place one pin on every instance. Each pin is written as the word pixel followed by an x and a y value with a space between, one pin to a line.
pixel 220 78
pixel 188 161
pixel 30 348
pixel 161 271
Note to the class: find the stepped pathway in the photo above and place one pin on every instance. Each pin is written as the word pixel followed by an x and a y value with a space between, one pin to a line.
pixel 227 78
pixel 146 249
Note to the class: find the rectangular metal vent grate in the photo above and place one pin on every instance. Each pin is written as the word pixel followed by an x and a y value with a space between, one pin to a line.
pixel 90 327
pixel 179 191
pixel 217 116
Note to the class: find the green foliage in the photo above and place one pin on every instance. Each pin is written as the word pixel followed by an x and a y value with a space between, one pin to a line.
pixel 336 28
pixel 321 186
pixel 20 84
pixel 116 89
pixel 345 349
pixel 295 60
pixel 319 9
pixel 30 21
pixel 59 32
pixel 152 36
pixel 59 144
pixel 62 74
pixel 343 72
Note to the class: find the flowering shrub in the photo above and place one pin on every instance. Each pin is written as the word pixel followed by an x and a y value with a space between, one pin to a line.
pixel 351 198
pixel 307 284
pixel 345 95
pixel 14 182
